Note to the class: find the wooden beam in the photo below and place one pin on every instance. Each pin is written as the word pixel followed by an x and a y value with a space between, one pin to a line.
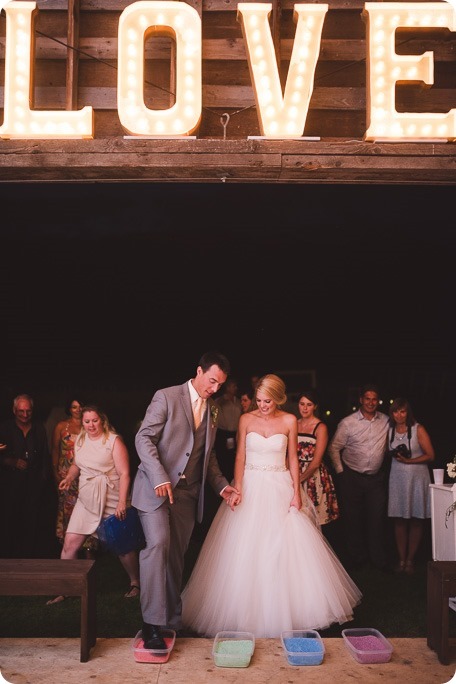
pixel 232 97
pixel 334 50
pixel 235 161
pixel 72 60
pixel 276 29
pixel 207 5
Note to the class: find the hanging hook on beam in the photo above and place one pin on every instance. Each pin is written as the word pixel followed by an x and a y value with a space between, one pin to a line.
pixel 224 120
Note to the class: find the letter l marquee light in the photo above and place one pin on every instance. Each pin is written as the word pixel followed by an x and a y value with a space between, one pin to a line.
pixel 20 120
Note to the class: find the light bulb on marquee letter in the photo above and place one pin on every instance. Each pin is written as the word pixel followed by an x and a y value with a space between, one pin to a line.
pixel 19 120
pixel 386 68
pixel 182 23
pixel 282 116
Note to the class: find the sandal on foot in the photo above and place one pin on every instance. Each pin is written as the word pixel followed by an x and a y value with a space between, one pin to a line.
pixel 56 599
pixel 400 567
pixel 133 592
pixel 409 568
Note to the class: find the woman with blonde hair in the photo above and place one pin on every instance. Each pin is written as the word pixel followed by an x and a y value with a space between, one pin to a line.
pixel 63 442
pixel 101 462
pixel 264 566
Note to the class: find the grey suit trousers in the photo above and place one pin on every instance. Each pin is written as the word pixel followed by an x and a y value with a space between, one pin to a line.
pixel 167 530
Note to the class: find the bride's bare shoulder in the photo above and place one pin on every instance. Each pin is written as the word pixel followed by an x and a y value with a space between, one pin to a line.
pixel 247 418
pixel 289 416
pixel 290 419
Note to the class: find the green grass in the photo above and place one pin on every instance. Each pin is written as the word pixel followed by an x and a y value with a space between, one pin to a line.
pixel 393 604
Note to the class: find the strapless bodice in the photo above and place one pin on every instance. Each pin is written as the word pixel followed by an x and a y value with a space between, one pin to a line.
pixel 267 452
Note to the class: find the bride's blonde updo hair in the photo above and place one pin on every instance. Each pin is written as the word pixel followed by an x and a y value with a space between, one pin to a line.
pixel 274 387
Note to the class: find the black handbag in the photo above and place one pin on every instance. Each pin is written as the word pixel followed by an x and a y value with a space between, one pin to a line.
pixel 122 536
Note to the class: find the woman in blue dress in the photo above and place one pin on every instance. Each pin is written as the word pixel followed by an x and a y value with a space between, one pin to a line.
pixel 409 504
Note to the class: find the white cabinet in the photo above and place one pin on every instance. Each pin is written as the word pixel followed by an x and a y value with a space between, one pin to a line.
pixel 443 535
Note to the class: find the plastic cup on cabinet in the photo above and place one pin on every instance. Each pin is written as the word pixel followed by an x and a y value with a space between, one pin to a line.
pixel 438 475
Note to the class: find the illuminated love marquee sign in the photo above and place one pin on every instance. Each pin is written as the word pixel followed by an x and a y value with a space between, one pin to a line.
pixel 282 113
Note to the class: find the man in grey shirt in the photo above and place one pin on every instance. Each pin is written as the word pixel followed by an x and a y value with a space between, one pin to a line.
pixel 357 452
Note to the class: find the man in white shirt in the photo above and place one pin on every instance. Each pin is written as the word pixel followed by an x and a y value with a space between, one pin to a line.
pixel 357 451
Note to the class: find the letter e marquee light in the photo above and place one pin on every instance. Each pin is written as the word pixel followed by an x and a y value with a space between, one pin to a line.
pixel 386 68
pixel 182 23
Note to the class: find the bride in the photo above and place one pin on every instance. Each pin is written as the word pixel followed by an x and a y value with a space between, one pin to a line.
pixel 265 567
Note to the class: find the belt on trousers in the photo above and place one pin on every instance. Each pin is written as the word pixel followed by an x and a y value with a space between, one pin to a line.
pixel 361 474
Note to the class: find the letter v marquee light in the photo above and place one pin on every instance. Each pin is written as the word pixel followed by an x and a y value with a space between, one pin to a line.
pixel 282 116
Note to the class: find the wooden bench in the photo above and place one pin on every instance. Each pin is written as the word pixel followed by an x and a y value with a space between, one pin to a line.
pixel 441 584
pixel 43 577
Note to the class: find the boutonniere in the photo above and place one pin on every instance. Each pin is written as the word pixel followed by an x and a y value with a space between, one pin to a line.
pixel 214 414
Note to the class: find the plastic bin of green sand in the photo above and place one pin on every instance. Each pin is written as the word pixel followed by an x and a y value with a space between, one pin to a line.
pixel 233 649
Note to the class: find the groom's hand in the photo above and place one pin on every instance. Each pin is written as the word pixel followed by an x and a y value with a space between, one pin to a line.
pixel 232 496
pixel 165 490
pixel 227 491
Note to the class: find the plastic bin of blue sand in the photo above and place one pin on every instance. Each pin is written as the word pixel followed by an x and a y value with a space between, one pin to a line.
pixel 303 647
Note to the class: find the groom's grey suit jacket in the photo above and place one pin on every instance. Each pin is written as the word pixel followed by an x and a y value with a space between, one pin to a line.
pixel 164 444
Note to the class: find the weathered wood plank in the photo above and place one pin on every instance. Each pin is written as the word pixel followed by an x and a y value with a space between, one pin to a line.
pixel 371 170
pixel 335 50
pixel 127 145
pixel 243 123
pixel 228 161
pixel 208 5
pixel 72 56
pixel 232 97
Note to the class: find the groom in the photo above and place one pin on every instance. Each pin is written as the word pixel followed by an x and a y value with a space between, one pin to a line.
pixel 175 446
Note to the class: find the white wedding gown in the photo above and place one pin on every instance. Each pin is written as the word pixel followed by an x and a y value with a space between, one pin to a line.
pixel 265 567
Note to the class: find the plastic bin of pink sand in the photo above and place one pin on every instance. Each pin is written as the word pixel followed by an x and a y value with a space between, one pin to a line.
pixel 147 655
pixel 367 645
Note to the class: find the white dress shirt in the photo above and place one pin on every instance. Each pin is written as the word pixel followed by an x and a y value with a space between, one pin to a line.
pixel 362 443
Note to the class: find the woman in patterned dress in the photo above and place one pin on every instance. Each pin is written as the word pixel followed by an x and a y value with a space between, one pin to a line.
pixel 316 479
pixel 64 438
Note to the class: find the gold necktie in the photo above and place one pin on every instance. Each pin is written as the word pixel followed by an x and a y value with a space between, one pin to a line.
pixel 197 407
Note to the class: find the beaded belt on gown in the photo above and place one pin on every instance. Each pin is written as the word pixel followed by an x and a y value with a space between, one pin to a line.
pixel 274 468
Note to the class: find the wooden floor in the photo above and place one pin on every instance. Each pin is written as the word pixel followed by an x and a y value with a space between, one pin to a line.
pixel 56 661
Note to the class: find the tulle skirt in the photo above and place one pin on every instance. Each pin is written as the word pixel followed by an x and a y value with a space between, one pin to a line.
pixel 266 568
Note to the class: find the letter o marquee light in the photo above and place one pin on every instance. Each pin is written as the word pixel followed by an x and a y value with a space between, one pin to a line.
pixel 183 24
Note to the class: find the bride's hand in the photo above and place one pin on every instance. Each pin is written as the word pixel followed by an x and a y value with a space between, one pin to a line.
pixel 296 502
pixel 234 500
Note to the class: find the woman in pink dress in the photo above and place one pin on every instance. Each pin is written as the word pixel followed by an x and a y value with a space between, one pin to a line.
pixel 102 465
